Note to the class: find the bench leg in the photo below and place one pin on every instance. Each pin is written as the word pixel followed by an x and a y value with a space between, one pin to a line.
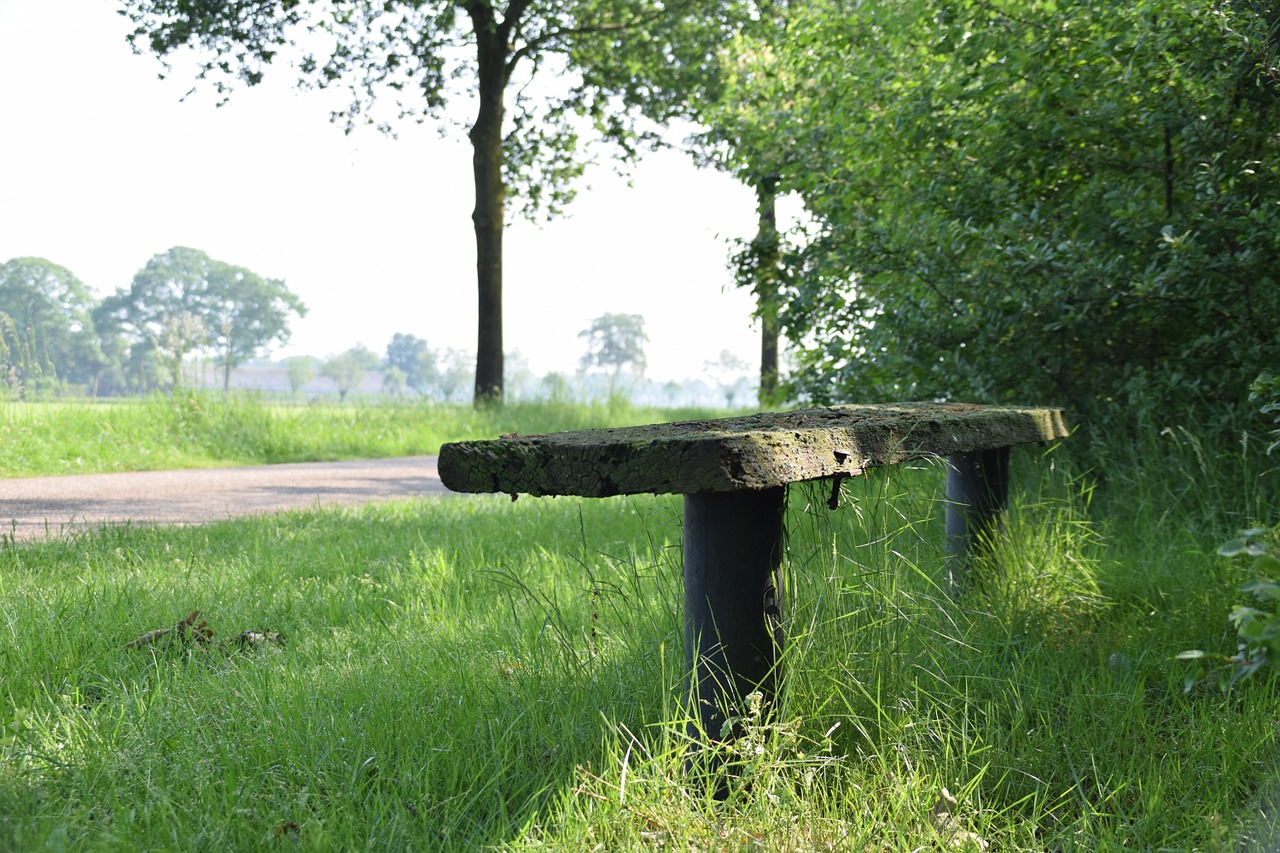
pixel 732 594
pixel 977 497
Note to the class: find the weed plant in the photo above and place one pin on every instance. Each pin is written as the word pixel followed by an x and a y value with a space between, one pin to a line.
pixel 474 673
pixel 200 429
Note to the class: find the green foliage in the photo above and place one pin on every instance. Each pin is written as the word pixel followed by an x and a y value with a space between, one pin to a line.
pixel 12 727
pixel 454 372
pixel 47 335
pixel 614 342
pixel 247 315
pixel 411 355
pixel 301 369
pixel 10 379
pixel 172 283
pixel 393 381
pixel 1258 630
pixel 1070 202
pixel 180 335
pixel 346 369
pixel 183 300
pixel 400 60
pixel 1266 389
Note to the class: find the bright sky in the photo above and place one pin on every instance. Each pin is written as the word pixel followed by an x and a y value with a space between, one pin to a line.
pixel 103 167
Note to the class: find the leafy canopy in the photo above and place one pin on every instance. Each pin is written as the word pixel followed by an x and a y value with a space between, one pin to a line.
pixel 612 62
pixel 47 335
pixel 615 341
pixel 1067 202
pixel 189 300
pixel 348 368
pixel 414 358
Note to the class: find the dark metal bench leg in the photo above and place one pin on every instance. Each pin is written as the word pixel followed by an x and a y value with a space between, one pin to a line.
pixel 977 497
pixel 732 556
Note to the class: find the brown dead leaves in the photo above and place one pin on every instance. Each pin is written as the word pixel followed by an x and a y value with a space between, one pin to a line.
pixel 193 632
pixel 188 632
pixel 947 824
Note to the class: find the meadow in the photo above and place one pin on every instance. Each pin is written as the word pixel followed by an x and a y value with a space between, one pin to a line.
pixel 200 429
pixel 477 673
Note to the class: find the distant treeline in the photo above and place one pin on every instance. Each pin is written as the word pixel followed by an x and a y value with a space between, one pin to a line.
pixel 55 337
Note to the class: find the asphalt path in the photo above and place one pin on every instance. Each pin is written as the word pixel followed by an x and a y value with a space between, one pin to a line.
pixel 36 507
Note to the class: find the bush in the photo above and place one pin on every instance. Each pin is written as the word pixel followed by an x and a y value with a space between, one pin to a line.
pixel 1257 630
pixel 1267 387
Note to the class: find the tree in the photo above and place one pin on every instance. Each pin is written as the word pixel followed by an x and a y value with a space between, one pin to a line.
pixel 741 135
pixel 393 381
pixel 1058 204
pixel 348 368
pixel 180 335
pixel 759 267
pixel 455 373
pixel 671 388
pixel 411 354
pixel 729 372
pixel 556 385
pixel 239 312
pixel 765 267
pixel 171 284
pixel 519 378
pixel 246 315
pixel 129 365
pixel 615 341
pixel 10 382
pixel 300 369
pixel 628 57
pixel 49 337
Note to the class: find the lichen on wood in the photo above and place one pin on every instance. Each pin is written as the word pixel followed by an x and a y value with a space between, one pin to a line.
pixel 744 453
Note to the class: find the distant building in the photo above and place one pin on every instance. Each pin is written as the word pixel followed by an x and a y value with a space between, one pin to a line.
pixel 274 379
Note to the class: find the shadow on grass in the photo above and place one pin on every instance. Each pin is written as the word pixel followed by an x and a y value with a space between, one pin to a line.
pixel 421 699
pixel 450 665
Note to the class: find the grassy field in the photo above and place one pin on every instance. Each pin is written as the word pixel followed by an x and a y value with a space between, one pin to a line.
pixel 197 430
pixel 476 673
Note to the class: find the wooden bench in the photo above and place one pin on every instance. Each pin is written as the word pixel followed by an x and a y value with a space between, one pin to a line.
pixel 733 474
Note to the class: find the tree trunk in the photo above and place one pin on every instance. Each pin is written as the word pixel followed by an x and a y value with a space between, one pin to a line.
pixel 768 256
pixel 489 213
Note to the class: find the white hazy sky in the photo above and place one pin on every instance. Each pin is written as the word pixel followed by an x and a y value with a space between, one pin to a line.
pixel 102 166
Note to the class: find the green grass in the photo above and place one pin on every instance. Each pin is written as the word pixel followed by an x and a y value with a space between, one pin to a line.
pixel 476 673
pixel 196 430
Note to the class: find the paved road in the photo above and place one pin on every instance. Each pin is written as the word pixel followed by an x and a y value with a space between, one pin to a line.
pixel 35 507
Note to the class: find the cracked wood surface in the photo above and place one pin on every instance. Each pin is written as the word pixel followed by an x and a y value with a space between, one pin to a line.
pixel 733 454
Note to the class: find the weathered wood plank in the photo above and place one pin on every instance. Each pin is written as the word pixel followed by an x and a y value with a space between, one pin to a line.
pixel 732 454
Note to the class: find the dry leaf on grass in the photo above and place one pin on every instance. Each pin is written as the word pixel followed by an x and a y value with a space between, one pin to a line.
pixel 194 631
pixel 253 639
pixel 944 820
pixel 189 631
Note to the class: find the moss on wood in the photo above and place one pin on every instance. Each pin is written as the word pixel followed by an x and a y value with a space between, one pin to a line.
pixel 731 454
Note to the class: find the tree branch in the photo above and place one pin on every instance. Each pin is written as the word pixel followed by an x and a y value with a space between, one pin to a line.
pixel 481 15
pixel 641 19
pixel 513 16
